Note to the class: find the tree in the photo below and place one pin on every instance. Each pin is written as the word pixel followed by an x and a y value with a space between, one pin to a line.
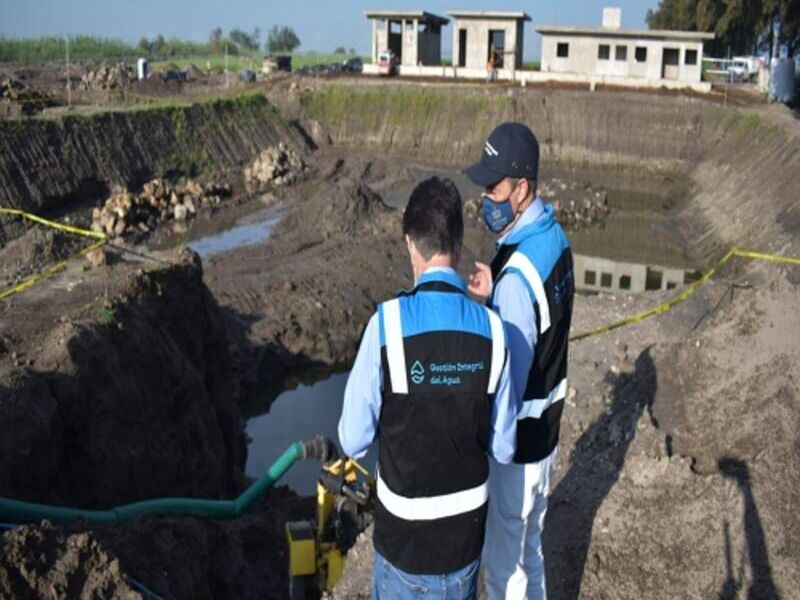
pixel 248 41
pixel 741 26
pixel 159 45
pixel 144 46
pixel 282 39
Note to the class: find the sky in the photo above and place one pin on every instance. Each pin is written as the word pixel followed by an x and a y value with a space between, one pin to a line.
pixel 320 25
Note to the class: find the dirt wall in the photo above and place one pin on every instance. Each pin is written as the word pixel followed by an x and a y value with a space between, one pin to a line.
pixel 51 164
pixel 122 391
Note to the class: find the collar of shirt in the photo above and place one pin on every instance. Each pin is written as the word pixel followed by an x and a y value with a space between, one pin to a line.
pixel 533 212
pixel 445 274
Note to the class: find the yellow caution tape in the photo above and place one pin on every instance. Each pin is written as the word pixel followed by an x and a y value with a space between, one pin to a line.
pixel 664 307
pixel 100 240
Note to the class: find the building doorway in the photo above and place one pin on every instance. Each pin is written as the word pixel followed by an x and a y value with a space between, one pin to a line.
pixel 462 48
pixel 497 47
pixel 396 40
pixel 671 63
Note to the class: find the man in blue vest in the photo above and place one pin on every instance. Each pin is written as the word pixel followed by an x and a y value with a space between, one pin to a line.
pixel 432 382
pixel 530 284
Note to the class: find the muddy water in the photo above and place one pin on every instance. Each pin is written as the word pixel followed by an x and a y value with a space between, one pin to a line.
pixel 296 411
pixel 213 234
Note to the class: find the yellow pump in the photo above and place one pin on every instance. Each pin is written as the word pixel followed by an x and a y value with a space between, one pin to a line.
pixel 317 550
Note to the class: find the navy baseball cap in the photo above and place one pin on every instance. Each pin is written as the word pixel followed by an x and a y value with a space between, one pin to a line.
pixel 511 151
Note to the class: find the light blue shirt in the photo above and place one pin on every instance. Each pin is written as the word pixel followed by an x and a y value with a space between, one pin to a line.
pixel 512 301
pixel 363 395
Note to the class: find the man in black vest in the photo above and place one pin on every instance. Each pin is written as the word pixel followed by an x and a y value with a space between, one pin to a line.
pixel 531 286
pixel 431 381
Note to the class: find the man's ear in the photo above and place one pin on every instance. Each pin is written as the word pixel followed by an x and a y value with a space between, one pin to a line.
pixel 410 246
pixel 523 187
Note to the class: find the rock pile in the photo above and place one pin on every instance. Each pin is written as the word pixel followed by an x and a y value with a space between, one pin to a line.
pixel 26 100
pixel 577 214
pixel 158 202
pixel 107 77
pixel 576 205
pixel 277 165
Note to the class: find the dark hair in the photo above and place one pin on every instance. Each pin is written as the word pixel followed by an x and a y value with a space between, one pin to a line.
pixel 433 219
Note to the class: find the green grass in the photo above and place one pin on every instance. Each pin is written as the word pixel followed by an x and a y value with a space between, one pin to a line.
pixel 747 121
pixel 175 51
pixel 81 47
pixel 246 61
pixel 371 108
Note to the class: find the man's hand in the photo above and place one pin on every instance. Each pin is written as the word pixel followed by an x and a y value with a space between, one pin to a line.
pixel 480 282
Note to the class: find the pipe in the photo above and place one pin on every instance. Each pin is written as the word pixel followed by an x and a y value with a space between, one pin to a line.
pixel 18 511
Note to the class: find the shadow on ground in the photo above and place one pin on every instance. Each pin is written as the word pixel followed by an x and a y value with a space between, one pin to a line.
pixel 762 586
pixel 594 467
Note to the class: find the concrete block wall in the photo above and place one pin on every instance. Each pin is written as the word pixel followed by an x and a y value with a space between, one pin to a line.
pixel 583 57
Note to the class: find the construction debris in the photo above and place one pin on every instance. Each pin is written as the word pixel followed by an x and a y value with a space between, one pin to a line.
pixel 277 165
pixel 159 201
pixel 576 205
pixel 17 99
pixel 106 77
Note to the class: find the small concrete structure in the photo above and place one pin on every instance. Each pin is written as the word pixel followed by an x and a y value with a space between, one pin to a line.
pixel 595 274
pixel 609 53
pixel 477 35
pixel 414 36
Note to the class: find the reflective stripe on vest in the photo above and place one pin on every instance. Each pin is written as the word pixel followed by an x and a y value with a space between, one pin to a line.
pixel 523 264
pixel 498 349
pixel 395 351
pixel 535 408
pixel 431 507
pixel 396 355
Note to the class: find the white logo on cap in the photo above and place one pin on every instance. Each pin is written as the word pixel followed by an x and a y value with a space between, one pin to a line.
pixel 490 150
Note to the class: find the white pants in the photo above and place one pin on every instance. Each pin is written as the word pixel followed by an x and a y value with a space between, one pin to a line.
pixel 512 553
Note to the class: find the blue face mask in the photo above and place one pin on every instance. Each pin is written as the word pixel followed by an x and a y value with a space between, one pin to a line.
pixel 496 215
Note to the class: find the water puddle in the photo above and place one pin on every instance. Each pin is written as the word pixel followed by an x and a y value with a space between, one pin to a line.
pixel 246 234
pixel 222 231
pixel 297 411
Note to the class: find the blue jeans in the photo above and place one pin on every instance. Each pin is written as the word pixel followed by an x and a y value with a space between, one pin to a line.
pixel 390 583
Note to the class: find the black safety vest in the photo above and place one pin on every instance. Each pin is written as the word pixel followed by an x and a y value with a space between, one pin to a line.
pixel 543 259
pixel 441 359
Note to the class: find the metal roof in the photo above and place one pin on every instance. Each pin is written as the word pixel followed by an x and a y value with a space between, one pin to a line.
pixel 637 33
pixel 488 14
pixel 407 14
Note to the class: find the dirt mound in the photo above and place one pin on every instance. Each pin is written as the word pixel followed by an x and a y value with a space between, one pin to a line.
pixel 176 558
pixel 46 562
pixel 123 390
pixel 304 295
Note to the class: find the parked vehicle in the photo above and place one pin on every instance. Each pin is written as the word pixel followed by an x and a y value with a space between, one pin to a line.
pixel 353 65
pixel 387 63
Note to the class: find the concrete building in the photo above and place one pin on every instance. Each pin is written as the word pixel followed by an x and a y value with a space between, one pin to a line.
pixel 476 33
pixel 595 274
pixel 612 53
pixel 415 36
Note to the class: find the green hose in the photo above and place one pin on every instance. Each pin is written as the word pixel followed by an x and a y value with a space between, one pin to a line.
pixel 17 511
